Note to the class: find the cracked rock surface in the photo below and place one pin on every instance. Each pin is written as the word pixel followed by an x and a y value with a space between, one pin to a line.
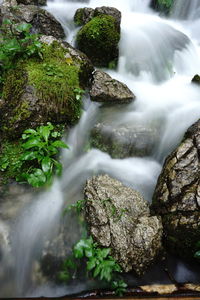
pixel 119 218
pixel 177 195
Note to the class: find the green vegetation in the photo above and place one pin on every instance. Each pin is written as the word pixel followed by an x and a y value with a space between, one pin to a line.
pixel 33 159
pixel 10 162
pixel 197 253
pixel 99 264
pixel 16 41
pixel 99 40
pixel 40 147
pixel 167 3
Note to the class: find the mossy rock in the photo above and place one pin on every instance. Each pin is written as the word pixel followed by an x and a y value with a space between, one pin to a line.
pixel 40 90
pixel 162 6
pixel 196 79
pixel 99 39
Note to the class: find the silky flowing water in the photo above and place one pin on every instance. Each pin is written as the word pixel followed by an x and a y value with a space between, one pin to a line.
pixel 158 58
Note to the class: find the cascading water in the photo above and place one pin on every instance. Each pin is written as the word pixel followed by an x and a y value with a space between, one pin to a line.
pixel 158 58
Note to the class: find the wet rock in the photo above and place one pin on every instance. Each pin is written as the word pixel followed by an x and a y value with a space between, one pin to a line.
pixel 99 39
pixel 177 195
pixel 32 96
pixel 118 217
pixel 42 21
pixel 109 11
pixel 124 141
pixel 196 79
pixel 83 15
pixel 32 2
pixel 108 90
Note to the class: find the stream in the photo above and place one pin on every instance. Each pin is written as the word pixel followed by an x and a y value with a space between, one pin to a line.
pixel 158 58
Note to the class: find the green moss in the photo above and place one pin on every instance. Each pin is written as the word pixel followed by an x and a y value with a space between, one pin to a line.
pixel 78 17
pixel 99 40
pixel 10 165
pixel 38 91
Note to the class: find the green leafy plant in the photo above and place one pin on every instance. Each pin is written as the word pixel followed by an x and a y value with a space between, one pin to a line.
pixel 16 41
pixel 78 93
pixel 120 287
pixel 52 70
pixel 40 147
pixel 99 263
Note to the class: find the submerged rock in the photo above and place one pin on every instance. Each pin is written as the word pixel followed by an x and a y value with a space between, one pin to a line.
pixel 119 218
pixel 124 141
pixel 98 39
pixel 108 90
pixel 42 21
pixel 38 91
pixel 177 195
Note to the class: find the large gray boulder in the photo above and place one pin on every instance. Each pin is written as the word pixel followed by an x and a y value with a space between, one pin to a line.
pixel 41 20
pixel 108 90
pixel 124 141
pixel 177 195
pixel 118 217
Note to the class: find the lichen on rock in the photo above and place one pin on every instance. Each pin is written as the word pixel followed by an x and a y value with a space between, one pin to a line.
pixel 118 217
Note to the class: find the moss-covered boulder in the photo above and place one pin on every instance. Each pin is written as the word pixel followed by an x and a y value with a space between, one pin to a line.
pixel 84 15
pixel 40 90
pixel 99 39
pixel 177 195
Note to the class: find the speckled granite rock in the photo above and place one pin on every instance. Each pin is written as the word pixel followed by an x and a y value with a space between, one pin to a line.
pixel 119 218
pixel 108 90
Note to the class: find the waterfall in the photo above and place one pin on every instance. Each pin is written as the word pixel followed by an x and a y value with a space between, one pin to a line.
pixel 157 59
pixel 186 10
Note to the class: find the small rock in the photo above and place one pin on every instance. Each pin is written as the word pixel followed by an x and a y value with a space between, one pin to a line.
pixel 108 90
pixel 196 79
pixel 118 217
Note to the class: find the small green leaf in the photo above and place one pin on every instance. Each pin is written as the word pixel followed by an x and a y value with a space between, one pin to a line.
pixel 59 144
pixel 46 164
pixel 34 142
pixel 29 155
pixel 197 255
pixel 91 264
